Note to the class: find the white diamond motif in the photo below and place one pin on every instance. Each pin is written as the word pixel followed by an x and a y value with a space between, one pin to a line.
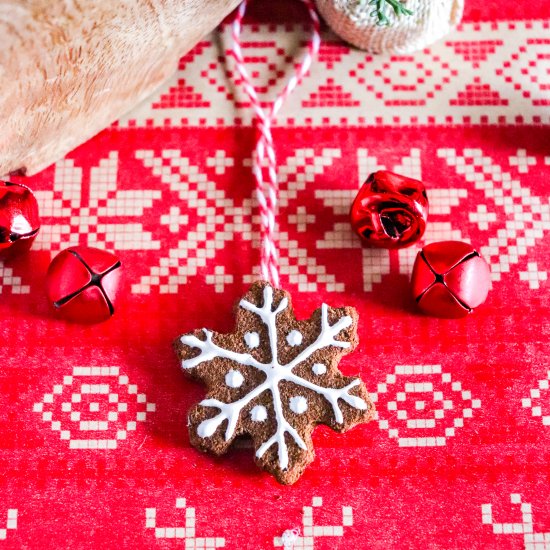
pixel 420 406
pixel 94 408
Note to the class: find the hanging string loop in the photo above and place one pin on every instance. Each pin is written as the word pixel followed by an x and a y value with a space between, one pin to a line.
pixel 267 190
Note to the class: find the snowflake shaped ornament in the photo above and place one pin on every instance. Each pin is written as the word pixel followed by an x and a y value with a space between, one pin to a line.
pixel 274 378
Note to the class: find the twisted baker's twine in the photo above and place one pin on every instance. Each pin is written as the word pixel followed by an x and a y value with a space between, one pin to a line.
pixel 267 191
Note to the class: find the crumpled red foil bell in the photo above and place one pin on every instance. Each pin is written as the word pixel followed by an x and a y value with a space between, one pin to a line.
pixel 390 210
pixel 19 219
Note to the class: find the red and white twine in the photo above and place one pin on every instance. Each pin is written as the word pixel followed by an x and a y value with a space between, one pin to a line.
pixel 267 191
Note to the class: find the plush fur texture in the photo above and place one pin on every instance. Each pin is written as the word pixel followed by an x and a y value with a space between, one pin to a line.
pixel 70 68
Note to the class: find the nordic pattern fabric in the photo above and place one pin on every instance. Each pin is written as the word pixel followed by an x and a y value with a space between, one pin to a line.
pixel 94 445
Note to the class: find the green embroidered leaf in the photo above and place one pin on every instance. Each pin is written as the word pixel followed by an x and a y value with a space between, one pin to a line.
pixel 383 7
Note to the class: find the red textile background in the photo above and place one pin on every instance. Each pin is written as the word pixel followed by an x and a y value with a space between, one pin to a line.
pixel 94 449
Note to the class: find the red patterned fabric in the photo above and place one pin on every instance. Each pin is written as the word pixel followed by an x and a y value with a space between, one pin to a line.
pixel 95 452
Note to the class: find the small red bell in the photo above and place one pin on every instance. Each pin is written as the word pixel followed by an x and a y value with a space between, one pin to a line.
pixel 82 284
pixel 19 219
pixel 450 279
pixel 390 211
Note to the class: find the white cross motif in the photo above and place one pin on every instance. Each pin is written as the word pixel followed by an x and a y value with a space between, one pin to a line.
pixel 532 540
pixel 292 538
pixel 192 542
pixel 71 216
pixel 533 275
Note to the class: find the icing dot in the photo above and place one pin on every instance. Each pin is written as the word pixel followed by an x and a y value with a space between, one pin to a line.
pixel 234 379
pixel 294 338
pixel 347 321
pixel 319 368
pixel 258 413
pixel 252 339
pixel 298 404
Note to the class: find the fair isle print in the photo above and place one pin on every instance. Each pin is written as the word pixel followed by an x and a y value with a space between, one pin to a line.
pixel 218 220
pixel 376 262
pixel 103 217
pixel 11 523
pixel 532 539
pixel 215 219
pixel 539 401
pixel 297 177
pixel 192 542
pixel 489 73
pixel 222 217
pixel 94 408
pixel 185 221
pixel 520 217
pixel 421 406
pixel 169 190
pixel 304 538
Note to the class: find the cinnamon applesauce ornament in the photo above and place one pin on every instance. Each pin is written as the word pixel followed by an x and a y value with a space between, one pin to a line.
pixel 274 378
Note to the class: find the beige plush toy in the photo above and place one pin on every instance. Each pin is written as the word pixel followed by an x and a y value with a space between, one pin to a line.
pixel 69 68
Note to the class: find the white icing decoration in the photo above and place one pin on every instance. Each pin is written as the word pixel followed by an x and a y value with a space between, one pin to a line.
pixel 298 404
pixel 274 374
pixel 294 338
pixel 252 339
pixel 319 369
pixel 234 379
pixel 258 413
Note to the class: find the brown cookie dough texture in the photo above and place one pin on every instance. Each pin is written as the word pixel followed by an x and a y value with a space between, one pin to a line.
pixel 274 379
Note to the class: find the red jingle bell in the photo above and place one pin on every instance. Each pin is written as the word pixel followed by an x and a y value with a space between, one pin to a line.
pixel 390 211
pixel 82 284
pixel 19 219
pixel 450 279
